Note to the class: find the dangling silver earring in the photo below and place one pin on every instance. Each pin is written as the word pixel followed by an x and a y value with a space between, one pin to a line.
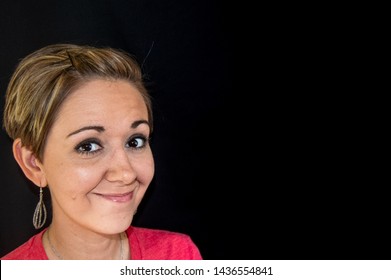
pixel 39 217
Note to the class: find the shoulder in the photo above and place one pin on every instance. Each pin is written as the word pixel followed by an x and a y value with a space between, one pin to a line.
pixel 149 243
pixel 32 249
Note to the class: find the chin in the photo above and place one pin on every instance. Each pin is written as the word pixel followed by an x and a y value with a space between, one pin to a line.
pixel 115 226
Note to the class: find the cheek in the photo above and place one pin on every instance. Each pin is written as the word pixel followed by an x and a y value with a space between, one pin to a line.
pixel 71 178
pixel 145 171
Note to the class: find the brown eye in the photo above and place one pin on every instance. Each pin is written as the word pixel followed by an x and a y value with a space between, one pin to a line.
pixel 137 142
pixel 88 147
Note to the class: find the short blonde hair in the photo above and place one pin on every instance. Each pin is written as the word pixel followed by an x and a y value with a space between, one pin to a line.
pixel 44 79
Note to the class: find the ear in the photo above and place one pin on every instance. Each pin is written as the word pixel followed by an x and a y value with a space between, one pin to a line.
pixel 29 163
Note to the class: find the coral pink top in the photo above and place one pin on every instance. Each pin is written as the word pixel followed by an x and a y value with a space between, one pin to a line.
pixel 145 244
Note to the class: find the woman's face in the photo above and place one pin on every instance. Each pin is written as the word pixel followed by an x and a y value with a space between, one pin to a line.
pixel 97 160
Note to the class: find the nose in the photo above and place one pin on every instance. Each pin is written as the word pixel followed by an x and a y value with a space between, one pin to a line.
pixel 120 168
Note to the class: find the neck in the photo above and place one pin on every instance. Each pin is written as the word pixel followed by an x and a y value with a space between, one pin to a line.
pixel 118 249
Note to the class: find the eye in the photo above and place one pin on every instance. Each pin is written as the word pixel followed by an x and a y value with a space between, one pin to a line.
pixel 137 142
pixel 88 147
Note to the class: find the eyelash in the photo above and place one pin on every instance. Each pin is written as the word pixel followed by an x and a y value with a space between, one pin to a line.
pixel 83 149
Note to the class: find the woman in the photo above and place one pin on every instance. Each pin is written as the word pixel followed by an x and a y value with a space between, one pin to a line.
pixel 81 119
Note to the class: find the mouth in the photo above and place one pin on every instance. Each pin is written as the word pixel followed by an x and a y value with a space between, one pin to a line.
pixel 122 197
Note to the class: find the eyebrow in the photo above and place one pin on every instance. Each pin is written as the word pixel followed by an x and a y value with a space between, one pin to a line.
pixel 92 127
pixel 101 128
pixel 139 122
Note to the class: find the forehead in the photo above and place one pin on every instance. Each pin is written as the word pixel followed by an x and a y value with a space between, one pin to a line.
pixel 96 87
pixel 102 101
pixel 100 92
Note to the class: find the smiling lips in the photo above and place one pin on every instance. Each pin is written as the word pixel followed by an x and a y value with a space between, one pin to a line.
pixel 118 197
